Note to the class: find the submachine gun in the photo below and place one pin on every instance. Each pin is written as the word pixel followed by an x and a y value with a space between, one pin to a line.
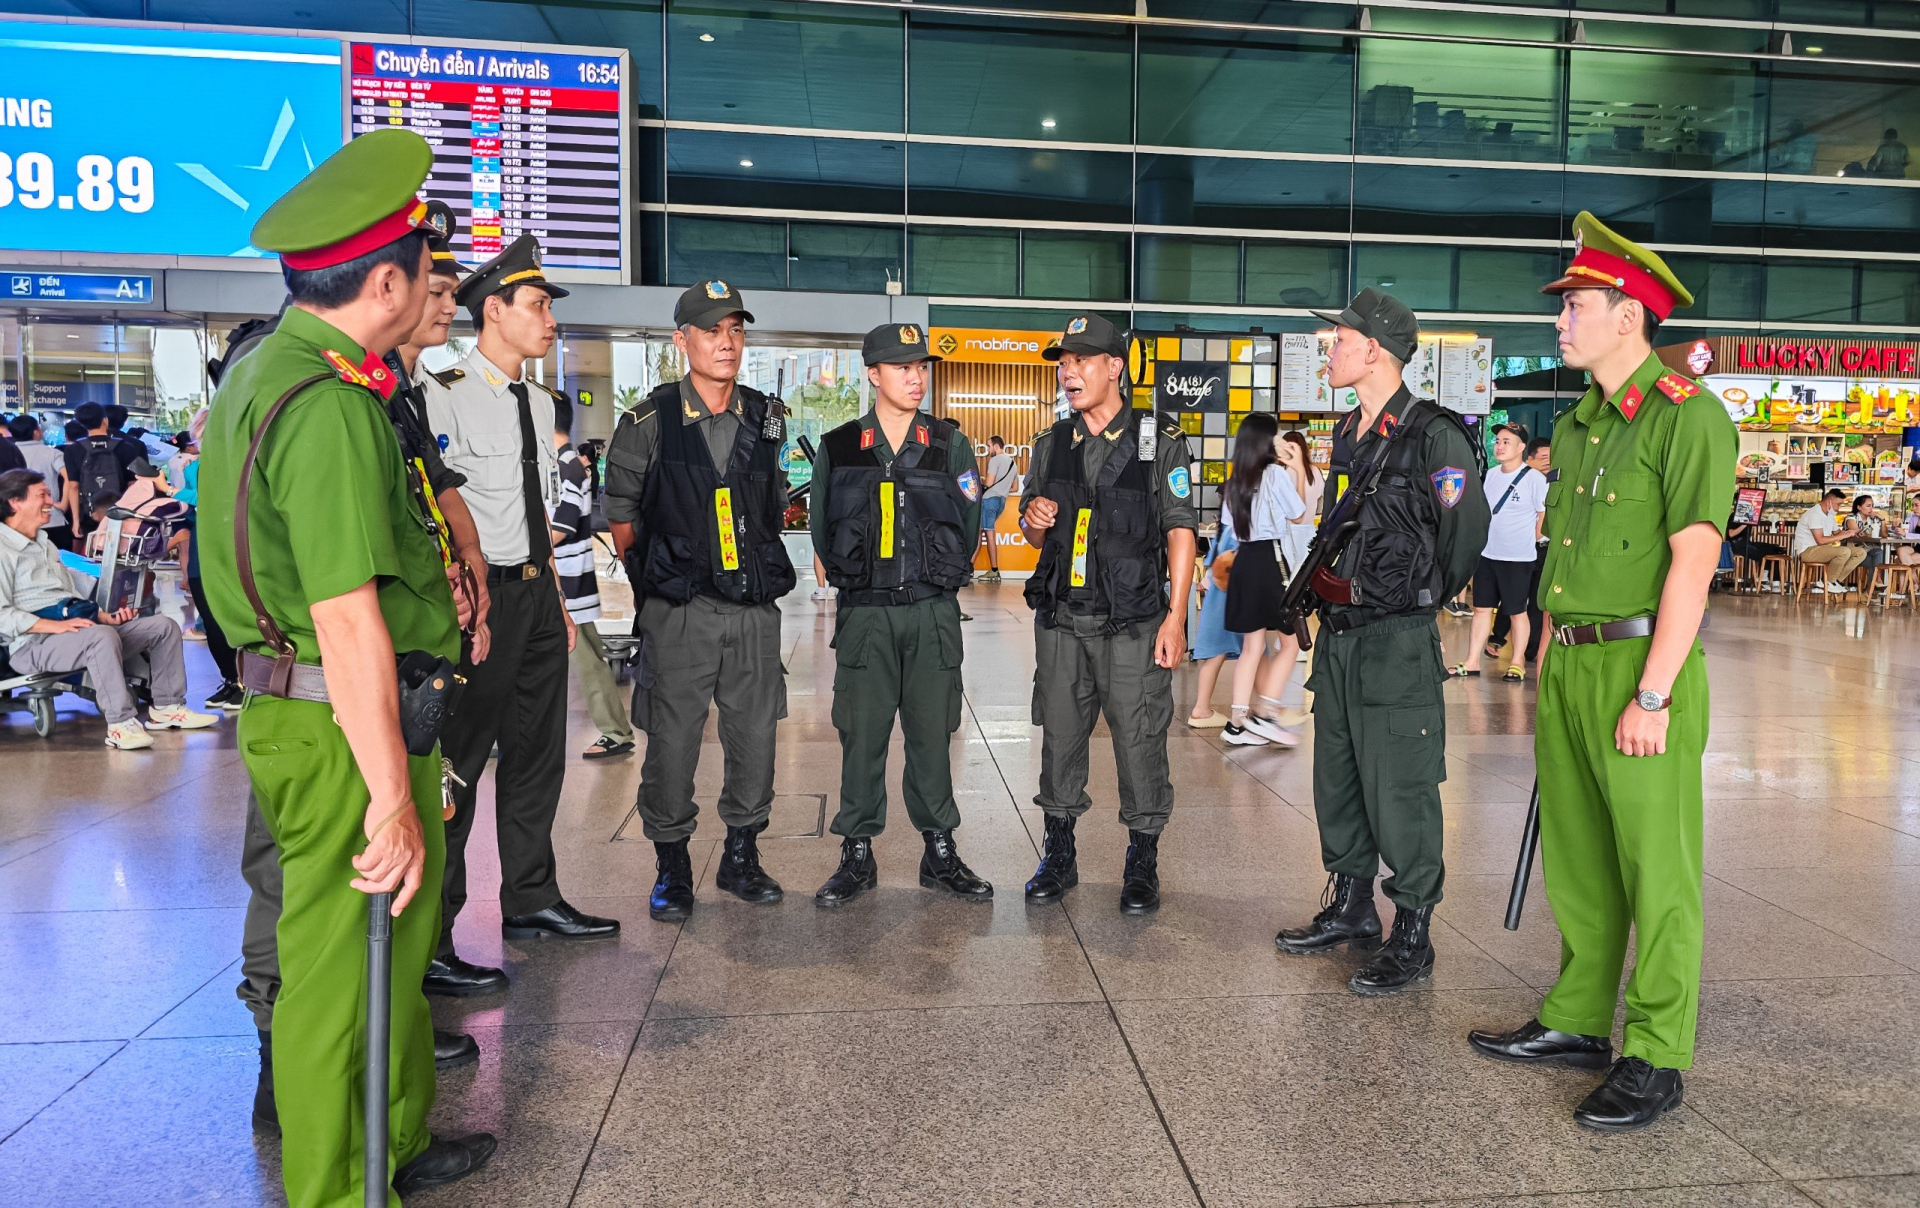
pixel 1313 583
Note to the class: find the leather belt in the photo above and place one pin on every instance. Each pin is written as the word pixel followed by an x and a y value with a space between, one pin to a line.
pixel 308 682
pixel 514 574
pixel 1609 631
pixel 912 593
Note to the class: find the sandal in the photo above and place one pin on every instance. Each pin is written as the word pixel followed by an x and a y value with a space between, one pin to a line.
pixel 1515 675
pixel 1459 671
pixel 1494 648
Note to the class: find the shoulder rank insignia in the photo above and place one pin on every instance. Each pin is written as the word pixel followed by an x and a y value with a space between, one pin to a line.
pixel 1676 387
pixel 447 377
pixel 1149 438
pixel 1630 401
pixel 774 425
pixel 866 438
pixel 920 434
pixel 371 373
pixel 547 388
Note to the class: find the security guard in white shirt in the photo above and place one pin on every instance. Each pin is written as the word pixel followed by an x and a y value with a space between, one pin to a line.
pixel 493 425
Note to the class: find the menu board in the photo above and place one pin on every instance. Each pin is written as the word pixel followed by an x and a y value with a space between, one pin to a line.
pixel 1301 370
pixel 525 142
pixel 1466 376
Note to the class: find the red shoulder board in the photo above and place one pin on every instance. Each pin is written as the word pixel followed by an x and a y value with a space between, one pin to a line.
pixel 1676 387
pixel 866 438
pixel 920 434
pixel 371 373
pixel 1630 401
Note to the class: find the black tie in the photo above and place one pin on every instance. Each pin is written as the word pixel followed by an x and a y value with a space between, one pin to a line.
pixel 539 538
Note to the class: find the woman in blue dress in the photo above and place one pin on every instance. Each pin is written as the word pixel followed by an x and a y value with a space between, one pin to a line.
pixel 1212 644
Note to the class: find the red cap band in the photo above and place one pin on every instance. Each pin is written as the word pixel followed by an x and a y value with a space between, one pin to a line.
pixel 1607 271
pixel 397 225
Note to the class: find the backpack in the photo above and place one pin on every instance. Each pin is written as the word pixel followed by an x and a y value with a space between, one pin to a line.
pixel 241 341
pixel 101 476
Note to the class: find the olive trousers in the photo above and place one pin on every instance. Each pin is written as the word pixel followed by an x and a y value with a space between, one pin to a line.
pixel 897 659
pixel 1620 844
pixel 1081 674
pixel 1379 755
pixel 314 802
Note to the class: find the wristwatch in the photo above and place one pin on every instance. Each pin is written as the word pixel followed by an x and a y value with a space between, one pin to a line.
pixel 1652 701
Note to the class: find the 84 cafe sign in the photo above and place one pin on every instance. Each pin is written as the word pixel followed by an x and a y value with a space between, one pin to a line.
pixel 1190 386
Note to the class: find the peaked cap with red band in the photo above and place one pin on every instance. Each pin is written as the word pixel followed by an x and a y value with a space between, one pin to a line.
pixel 360 199
pixel 1603 260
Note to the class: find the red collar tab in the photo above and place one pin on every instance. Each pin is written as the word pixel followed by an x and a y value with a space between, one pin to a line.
pixel 408 218
pixel 371 373
pixel 1676 387
pixel 1388 422
pixel 1607 271
pixel 1630 401
pixel 920 434
pixel 866 438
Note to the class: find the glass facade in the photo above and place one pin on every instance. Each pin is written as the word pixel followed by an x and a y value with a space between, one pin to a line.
pixel 1230 162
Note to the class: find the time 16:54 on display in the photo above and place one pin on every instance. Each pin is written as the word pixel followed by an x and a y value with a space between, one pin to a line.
pixel 97 184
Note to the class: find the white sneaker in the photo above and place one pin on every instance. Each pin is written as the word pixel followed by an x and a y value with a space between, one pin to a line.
pixel 177 717
pixel 1842 588
pixel 1240 736
pixel 1817 589
pixel 1270 730
pixel 128 735
pixel 823 593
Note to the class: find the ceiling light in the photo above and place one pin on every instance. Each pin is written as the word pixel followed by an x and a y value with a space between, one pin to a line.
pixel 746 163
pixel 706 37
pixel 1814 50
pixel 1047 123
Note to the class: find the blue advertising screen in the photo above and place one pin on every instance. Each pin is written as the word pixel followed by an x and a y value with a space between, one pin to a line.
pixel 116 139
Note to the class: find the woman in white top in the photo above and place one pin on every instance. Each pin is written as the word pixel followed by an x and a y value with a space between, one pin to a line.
pixel 1261 503
pixel 1308 484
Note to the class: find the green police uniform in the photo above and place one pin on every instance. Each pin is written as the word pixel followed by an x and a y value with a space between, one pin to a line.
pixel 900 652
pixel 330 512
pixel 1620 835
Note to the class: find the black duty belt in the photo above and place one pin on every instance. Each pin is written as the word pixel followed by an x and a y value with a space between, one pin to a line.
pixel 308 682
pixel 913 593
pixel 1354 618
pixel 516 573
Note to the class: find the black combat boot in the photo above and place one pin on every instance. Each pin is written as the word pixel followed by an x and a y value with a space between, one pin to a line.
pixel 1346 916
pixel 942 868
pixel 1140 880
pixel 672 897
pixel 740 873
pixel 1406 957
pixel 857 874
pixel 1058 871
pixel 266 1113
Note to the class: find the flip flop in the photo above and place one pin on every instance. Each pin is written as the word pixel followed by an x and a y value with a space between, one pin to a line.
pixel 1212 721
pixel 1459 671
pixel 1515 675
pixel 1494 648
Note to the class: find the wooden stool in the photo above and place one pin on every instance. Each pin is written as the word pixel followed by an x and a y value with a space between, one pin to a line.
pixel 1893 577
pixel 1774 567
pixel 1810 574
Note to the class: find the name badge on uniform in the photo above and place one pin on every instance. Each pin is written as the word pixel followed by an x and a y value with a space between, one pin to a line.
pixel 1149 437
pixel 723 510
pixel 886 519
pixel 1081 521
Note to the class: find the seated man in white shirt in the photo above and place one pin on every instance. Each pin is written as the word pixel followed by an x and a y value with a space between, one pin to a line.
pixel 49 626
pixel 1821 537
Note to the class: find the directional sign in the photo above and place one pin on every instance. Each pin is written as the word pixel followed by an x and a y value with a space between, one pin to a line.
pixel 25 286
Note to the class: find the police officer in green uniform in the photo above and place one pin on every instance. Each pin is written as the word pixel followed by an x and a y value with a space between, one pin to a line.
pixel 696 499
pixel 1110 508
pixel 1379 731
pixel 1634 526
pixel 345 576
pixel 894 509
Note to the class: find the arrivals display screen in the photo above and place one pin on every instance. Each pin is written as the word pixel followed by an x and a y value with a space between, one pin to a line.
pixel 121 139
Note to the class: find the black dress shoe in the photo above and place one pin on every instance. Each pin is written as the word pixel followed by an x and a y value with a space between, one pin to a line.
pixel 857 874
pixel 266 1113
pixel 561 921
pixel 1406 957
pixel 942 868
pixel 454 1049
pixel 1347 916
pixel 450 977
pixel 672 896
pixel 1533 1041
pixel 1059 870
pixel 1140 879
pixel 740 873
pixel 1635 1094
pixel 443 1161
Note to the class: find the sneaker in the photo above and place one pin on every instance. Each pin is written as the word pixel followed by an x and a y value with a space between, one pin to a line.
pixel 1817 589
pixel 991 576
pixel 1240 736
pixel 128 735
pixel 227 698
pixel 178 717
pixel 1269 729
pixel 193 635
pixel 823 593
pixel 1842 588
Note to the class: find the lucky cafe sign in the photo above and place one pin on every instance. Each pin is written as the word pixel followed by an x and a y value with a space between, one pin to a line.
pixel 1825 357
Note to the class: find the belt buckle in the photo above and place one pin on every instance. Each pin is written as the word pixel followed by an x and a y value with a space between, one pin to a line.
pixel 1563 634
pixel 529 571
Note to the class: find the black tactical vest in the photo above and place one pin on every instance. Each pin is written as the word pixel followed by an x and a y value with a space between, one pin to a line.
pixel 691 547
pixel 1392 557
pixel 1125 582
pixel 897 533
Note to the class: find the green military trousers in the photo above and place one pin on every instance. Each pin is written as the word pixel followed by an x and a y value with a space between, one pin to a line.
pixel 1620 847
pixel 314 803
pixel 1379 755
pixel 1080 673
pixel 904 659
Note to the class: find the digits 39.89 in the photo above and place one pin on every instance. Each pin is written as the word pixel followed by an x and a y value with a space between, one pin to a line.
pixel 101 185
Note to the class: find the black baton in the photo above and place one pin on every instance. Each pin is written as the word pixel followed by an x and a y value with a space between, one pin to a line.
pixel 379 1014
pixel 1523 871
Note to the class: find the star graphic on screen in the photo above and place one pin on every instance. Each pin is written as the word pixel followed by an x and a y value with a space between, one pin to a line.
pixel 275 144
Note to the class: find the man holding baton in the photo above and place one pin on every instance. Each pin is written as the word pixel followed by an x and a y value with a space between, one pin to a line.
pixel 1634 529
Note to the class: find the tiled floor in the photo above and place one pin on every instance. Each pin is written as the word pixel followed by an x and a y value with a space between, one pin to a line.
pixel 917 1050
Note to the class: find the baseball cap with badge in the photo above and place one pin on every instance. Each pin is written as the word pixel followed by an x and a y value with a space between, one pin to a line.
pixel 1381 317
pixel 441 225
pixel 1088 335
pixel 706 303
pixel 897 344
